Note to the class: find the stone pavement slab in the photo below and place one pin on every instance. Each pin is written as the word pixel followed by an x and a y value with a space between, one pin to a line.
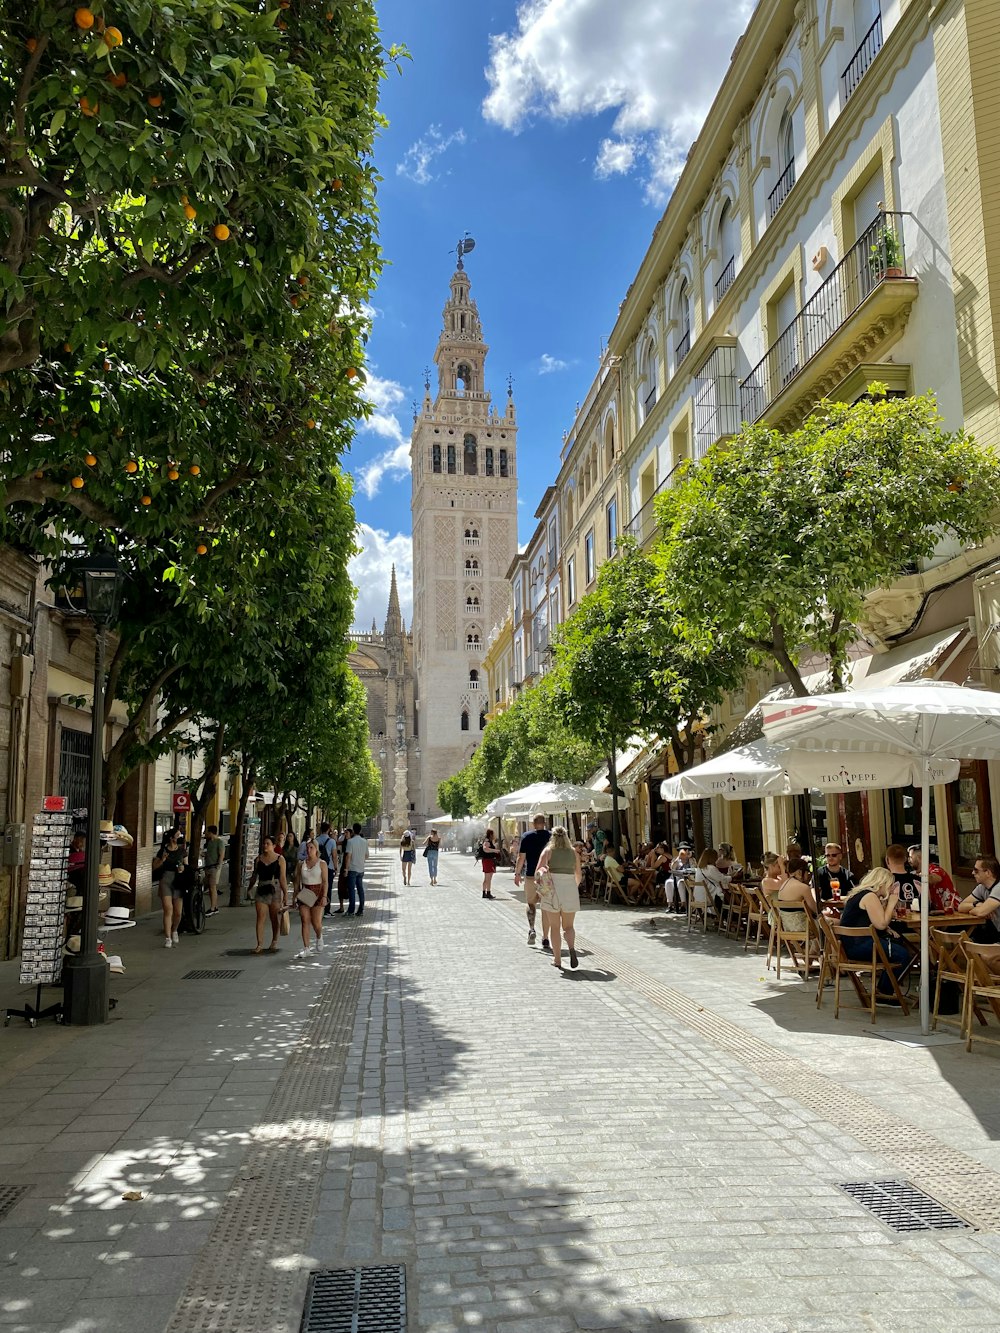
pixel 650 1142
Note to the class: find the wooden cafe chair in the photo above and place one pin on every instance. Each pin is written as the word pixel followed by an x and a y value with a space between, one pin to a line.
pixel 981 983
pixel 859 969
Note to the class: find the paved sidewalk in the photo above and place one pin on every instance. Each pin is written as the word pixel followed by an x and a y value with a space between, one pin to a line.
pixel 652 1141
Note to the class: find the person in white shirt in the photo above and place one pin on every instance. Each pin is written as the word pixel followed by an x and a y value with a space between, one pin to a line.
pixel 355 855
pixel 710 883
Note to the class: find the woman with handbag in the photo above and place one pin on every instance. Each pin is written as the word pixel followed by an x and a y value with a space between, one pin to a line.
pixel 407 856
pixel 311 883
pixel 432 846
pixel 269 900
pixel 558 879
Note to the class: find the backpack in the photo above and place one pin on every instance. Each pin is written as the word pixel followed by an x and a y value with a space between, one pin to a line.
pixel 325 844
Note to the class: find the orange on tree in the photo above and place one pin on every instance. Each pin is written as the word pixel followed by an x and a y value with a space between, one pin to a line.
pixel 32 45
pixel 173 474
pixel 190 212
pixel 91 460
pixel 86 107
pixel 131 466
pixel 116 80
pixel 84 18
pixel 201 548
pixel 77 483
pixel 147 499
pixel 352 373
pixel 112 37
pixel 155 99
pixel 220 231
pixel 336 183
pixel 194 469
pixel 311 424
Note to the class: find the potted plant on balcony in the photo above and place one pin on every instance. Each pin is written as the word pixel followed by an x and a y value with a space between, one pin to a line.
pixel 886 255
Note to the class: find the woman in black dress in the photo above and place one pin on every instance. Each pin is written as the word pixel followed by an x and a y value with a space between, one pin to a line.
pixel 269 900
pixel 488 856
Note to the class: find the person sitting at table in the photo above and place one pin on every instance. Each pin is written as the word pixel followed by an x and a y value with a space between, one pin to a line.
pixel 944 897
pixel 795 896
pixel 873 903
pixel 710 884
pixel 617 875
pixel 660 862
pixel 895 860
pixel 831 880
pixel 641 871
pixel 775 873
pixel 681 870
pixel 727 862
pixel 984 900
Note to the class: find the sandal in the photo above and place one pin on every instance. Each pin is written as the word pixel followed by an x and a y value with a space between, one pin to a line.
pixel 273 949
pixel 259 948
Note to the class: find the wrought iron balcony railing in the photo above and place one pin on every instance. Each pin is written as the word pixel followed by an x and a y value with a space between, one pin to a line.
pixel 683 346
pixel 725 279
pixel 781 191
pixel 642 524
pixel 871 45
pixel 877 255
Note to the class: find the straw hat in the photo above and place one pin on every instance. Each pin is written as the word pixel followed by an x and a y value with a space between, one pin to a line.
pixel 121 877
pixel 107 826
pixel 74 903
pixel 73 944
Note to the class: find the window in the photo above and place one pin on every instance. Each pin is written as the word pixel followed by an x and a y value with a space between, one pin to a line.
pixel 683 344
pixel 451 459
pixel 436 458
pixel 469 454
pixel 473 677
pixel 611 516
pixel 489 461
pixel 571 580
pixel 650 379
pixel 786 165
pixel 465 720
pixel 609 442
pixel 725 251
pixel 503 463
pixel 552 542
pixel 482 720
pixel 463 378
pixel 588 557
pixel 569 512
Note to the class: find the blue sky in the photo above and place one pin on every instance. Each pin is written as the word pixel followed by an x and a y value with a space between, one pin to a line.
pixel 551 131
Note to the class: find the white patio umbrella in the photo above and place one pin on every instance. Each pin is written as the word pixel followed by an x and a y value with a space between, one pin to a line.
pixel 549 798
pixel 763 768
pixel 931 721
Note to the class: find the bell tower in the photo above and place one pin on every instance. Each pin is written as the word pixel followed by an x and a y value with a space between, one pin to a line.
pixel 463 453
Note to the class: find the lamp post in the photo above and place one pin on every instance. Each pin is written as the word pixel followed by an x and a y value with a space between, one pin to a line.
pixel 85 975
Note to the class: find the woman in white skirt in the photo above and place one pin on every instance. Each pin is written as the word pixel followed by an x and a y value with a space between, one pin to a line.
pixel 312 880
pixel 560 893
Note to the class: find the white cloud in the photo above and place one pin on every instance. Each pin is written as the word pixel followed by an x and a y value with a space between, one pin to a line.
pixel 548 364
pixel 658 65
pixel 386 396
pixel 418 158
pixel 371 571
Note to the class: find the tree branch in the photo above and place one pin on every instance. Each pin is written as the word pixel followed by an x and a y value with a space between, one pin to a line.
pixel 779 649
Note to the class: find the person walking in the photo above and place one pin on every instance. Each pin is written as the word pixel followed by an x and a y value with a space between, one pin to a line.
pixel 166 864
pixel 529 850
pixel 489 851
pixel 407 855
pixel 212 861
pixel 356 854
pixel 381 840
pixel 327 844
pixel 312 878
pixel 560 871
pixel 432 848
pixel 269 899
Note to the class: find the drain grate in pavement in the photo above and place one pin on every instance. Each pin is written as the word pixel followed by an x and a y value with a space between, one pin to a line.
pixel 903 1207
pixel 212 974
pixel 10 1196
pixel 356 1300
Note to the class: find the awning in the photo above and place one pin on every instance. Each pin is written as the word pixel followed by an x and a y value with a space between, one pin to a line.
pixel 920 659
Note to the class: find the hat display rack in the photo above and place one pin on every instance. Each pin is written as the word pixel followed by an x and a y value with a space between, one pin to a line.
pixel 54 904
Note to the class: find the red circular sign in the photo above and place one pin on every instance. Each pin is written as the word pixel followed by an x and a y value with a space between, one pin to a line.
pixel 182 802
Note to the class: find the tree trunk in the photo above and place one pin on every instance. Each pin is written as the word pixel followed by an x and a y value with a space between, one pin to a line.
pixel 613 779
pixel 209 786
pixel 779 648
pixel 247 775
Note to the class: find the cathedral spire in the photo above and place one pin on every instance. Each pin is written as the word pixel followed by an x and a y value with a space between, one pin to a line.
pixel 393 618
pixel 461 352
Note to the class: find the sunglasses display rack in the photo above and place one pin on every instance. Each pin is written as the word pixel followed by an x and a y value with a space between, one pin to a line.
pixel 251 849
pixel 45 913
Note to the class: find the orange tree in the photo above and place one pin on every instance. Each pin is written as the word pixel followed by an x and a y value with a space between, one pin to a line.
pixel 187 238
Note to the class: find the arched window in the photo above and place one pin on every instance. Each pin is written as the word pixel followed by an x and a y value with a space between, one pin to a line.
pixel 650 387
pixel 609 442
pixel 451 459
pixel 472 566
pixel 786 141
pixel 465 719
pixel 503 462
pixel 463 378
pixel 473 677
pixel 471 467
pixel 785 152
pixel 683 344
pixel 569 512
pixel 436 457
pixel 725 251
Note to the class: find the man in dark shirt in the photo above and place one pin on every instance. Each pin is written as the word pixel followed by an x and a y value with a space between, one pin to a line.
pixel 895 860
pixel 833 873
pixel 531 848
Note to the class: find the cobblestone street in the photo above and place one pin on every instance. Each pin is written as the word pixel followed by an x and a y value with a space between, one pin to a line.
pixel 652 1141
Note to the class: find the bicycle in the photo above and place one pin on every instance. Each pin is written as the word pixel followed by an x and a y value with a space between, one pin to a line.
pixel 192 899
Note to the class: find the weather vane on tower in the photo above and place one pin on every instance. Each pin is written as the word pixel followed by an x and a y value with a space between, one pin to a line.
pixel 465 246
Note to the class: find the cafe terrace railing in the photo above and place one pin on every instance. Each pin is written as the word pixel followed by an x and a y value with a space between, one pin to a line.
pixel 877 255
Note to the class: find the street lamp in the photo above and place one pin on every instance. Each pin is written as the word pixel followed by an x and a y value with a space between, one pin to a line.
pixel 85 975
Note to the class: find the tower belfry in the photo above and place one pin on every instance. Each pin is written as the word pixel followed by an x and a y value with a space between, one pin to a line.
pixel 464 506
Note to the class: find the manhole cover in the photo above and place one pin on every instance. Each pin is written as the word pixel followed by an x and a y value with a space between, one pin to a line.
pixel 212 974
pixel 10 1196
pixel 356 1300
pixel 903 1207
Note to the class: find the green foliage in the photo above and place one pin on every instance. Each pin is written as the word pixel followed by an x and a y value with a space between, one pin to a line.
pixel 528 742
pixel 774 541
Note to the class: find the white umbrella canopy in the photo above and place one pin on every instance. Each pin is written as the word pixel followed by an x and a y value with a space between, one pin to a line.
pixel 762 768
pixel 549 798
pixel 932 721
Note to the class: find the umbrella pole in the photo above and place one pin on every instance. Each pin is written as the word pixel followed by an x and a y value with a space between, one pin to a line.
pixel 810 852
pixel 925 951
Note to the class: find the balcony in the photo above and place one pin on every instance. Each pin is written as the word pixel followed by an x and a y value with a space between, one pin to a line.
pixel 683 346
pixel 862 305
pixel 649 402
pixel 871 45
pixel 781 191
pixel 725 280
pixel 642 524
pixel 716 399
pixel 472 541
pixel 474 684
